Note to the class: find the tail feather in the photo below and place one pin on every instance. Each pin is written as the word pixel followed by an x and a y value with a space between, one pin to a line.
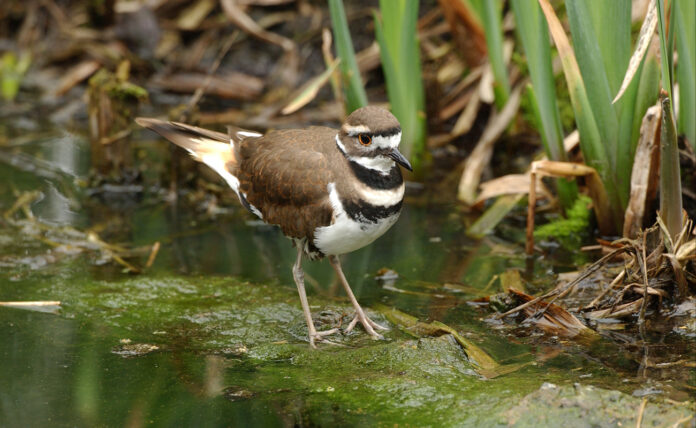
pixel 214 149
pixel 197 141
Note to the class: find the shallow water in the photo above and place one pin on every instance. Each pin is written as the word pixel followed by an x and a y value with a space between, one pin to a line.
pixel 212 334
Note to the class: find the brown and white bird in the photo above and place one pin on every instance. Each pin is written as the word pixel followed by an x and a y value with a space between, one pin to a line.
pixel 330 191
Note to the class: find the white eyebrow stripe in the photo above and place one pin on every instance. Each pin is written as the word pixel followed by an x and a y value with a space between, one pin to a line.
pixel 355 130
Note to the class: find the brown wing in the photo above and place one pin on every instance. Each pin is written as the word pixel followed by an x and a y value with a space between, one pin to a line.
pixel 285 176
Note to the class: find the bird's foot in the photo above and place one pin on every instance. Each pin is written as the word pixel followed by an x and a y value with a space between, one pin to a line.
pixel 318 336
pixel 369 325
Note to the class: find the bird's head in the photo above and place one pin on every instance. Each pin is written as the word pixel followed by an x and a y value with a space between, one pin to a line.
pixel 371 136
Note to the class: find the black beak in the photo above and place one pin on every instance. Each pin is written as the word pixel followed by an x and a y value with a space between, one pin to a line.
pixel 400 159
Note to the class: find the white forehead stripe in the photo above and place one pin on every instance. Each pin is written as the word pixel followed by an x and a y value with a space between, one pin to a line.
pixel 355 130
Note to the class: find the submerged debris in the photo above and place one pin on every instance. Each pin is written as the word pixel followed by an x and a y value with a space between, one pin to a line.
pixel 128 350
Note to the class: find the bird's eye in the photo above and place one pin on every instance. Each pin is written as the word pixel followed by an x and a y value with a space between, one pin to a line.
pixel 365 139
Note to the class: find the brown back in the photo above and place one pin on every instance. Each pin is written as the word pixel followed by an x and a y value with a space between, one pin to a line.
pixel 285 176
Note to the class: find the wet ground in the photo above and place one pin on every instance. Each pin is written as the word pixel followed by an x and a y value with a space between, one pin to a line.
pixel 211 334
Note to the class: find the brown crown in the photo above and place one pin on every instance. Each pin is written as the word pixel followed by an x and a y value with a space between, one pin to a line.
pixel 376 119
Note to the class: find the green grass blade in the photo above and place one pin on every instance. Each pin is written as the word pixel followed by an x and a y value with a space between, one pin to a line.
pixel 531 27
pixel 666 78
pixel 567 189
pixel 611 22
pixel 590 61
pixel 493 216
pixel 591 141
pixel 648 89
pixel 396 34
pixel 647 30
pixel 685 28
pixel 491 20
pixel 352 83
pixel 670 177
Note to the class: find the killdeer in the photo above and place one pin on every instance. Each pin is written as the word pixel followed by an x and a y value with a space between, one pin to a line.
pixel 330 191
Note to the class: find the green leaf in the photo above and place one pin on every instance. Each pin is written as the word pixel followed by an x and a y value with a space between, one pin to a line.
pixel 491 20
pixel 590 60
pixel 666 77
pixel 685 28
pixel 670 177
pixel 591 140
pixel 353 86
pixel 396 34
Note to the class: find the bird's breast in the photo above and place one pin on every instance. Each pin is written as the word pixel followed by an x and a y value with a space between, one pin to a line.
pixel 358 218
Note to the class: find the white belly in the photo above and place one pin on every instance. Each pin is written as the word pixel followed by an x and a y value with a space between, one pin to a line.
pixel 345 234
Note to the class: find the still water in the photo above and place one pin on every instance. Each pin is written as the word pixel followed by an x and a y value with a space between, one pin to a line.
pixel 211 334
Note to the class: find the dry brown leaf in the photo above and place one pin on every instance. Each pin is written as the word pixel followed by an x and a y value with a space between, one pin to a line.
pixel 238 17
pixel 466 31
pixel 481 156
pixel 554 319
pixel 75 75
pixel 309 91
pixel 466 120
pixel 647 30
pixel 644 177
pixel 191 17
pixel 626 309
pixel 571 141
pixel 368 59
pixel 231 85
pixel 510 184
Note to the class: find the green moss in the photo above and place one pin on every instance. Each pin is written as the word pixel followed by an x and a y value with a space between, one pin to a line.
pixel 12 70
pixel 106 81
pixel 259 331
pixel 571 231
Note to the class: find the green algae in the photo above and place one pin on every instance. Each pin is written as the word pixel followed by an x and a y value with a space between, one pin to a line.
pixel 570 232
pixel 231 350
pixel 258 334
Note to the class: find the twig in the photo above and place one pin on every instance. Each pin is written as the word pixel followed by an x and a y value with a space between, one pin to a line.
pixel 589 271
pixel 642 262
pixel 200 91
pixel 153 255
pixel 682 421
pixel 531 204
pixel 640 412
pixel 23 200
pixel 31 303
pixel 606 291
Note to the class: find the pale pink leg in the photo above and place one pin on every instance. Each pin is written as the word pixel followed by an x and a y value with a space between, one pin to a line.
pixel 367 323
pixel 298 274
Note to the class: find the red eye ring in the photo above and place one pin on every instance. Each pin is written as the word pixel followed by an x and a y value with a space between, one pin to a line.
pixel 364 139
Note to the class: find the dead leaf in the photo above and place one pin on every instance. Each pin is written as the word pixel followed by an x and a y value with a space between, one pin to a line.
pixel 309 90
pixel 232 85
pixel 647 30
pixel 238 17
pixel 644 177
pixel 75 75
pixel 481 156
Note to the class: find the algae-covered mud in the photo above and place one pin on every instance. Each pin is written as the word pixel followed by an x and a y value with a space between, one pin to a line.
pixel 209 332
